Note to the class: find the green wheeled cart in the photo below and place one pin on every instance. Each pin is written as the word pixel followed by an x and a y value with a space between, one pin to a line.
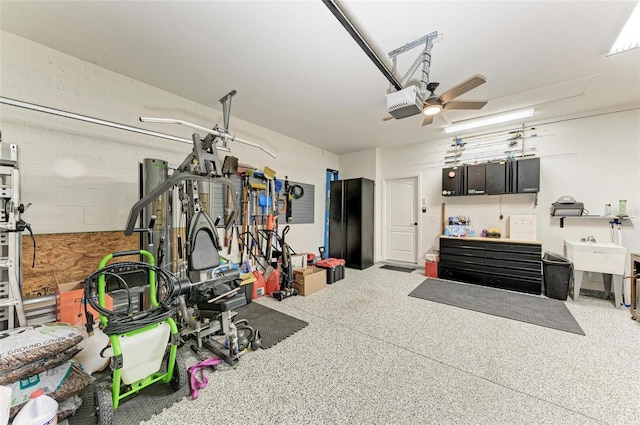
pixel 143 346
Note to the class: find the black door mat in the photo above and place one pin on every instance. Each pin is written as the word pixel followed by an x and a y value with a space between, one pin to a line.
pixel 532 309
pixel 136 407
pixel 273 325
pixel 398 268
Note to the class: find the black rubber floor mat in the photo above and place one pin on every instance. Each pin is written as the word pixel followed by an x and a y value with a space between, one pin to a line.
pixel 133 409
pixel 398 268
pixel 532 309
pixel 273 325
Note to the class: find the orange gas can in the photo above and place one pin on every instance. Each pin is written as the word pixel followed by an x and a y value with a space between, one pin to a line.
pixel 258 285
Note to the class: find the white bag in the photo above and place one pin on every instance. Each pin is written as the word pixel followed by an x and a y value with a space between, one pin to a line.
pixel 5 403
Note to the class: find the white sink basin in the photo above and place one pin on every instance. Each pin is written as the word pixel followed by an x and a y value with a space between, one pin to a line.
pixel 596 257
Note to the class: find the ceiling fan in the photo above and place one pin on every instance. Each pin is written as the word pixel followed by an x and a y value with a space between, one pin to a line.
pixel 410 100
pixel 436 103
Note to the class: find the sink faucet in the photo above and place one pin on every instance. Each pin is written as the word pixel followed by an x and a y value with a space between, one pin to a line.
pixel 591 239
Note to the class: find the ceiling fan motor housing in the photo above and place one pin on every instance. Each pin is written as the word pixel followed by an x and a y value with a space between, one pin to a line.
pixel 405 102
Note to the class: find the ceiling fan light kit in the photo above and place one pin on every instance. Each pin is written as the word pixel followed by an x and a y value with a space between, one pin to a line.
pixel 432 109
pixel 495 119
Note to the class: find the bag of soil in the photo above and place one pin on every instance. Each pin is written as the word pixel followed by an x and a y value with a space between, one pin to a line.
pixel 29 344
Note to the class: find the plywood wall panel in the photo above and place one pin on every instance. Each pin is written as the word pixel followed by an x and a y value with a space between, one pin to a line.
pixel 67 257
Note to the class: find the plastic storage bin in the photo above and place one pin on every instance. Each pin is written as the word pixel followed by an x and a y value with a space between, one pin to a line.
pixel 334 268
pixel 558 273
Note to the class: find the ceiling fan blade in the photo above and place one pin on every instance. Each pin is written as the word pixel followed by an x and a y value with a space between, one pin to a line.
pixel 461 104
pixel 462 88
pixel 445 117
pixel 428 119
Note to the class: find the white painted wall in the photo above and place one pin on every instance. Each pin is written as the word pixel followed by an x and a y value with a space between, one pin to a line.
pixel 82 177
pixel 358 164
pixel 594 159
pixel 366 164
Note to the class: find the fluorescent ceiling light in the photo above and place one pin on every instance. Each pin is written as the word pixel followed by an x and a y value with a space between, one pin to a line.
pixel 629 37
pixel 466 125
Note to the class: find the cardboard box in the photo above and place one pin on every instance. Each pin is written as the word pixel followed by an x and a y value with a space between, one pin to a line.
pixel 303 271
pixel 523 227
pixel 71 303
pixel 299 260
pixel 309 280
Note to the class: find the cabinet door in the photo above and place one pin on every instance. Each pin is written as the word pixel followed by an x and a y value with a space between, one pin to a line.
pixel 475 178
pixel 336 220
pixel 527 175
pixel 496 178
pixel 452 181
pixel 352 212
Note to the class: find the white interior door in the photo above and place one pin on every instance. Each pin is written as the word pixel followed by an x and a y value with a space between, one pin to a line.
pixel 401 227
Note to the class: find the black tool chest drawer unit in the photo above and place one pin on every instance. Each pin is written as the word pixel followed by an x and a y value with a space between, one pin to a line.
pixel 507 265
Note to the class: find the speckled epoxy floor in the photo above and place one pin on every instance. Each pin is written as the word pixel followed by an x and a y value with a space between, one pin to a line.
pixel 373 355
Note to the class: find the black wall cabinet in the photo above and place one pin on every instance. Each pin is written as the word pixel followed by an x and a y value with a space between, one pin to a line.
pixel 453 181
pixel 351 222
pixel 525 175
pixel 494 178
pixel 475 179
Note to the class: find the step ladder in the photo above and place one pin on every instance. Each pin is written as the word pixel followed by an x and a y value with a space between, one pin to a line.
pixel 11 305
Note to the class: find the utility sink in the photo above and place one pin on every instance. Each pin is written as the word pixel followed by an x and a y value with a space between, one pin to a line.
pixel 596 256
pixel 606 258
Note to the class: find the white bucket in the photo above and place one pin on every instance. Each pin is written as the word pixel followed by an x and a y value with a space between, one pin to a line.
pixel 40 410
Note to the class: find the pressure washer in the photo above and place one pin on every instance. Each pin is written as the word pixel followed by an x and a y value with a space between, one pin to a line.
pixel 143 345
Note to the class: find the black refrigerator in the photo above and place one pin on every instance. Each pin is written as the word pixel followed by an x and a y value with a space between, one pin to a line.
pixel 351 222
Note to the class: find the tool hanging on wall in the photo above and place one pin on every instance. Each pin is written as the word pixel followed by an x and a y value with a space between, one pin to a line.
pixel 287 191
pixel 270 224
pixel 292 192
pixel 229 167
pixel 242 222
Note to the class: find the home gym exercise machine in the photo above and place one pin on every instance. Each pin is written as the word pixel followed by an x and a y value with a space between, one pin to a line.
pixel 208 293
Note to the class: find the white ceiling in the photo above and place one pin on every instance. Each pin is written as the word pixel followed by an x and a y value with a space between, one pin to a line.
pixel 299 73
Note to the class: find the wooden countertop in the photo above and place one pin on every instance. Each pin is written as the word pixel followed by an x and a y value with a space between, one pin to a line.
pixel 503 240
